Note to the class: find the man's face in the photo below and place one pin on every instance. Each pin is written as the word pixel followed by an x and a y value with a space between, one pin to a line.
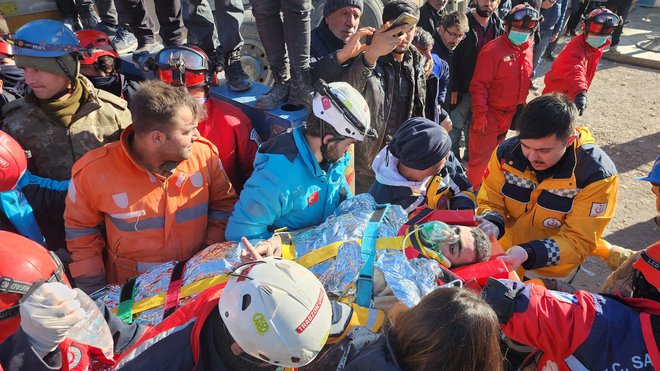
pixel 464 251
pixel 6 59
pixel 338 148
pixel 180 137
pixel 438 5
pixel 486 8
pixel 544 153
pixel 451 36
pixel 415 175
pixel 403 46
pixel 45 84
pixel 344 22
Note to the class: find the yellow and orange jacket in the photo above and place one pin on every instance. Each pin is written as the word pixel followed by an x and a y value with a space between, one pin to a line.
pixel 118 210
pixel 558 220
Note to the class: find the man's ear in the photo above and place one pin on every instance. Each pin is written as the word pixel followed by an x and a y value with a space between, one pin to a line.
pixel 328 138
pixel 157 137
pixel 571 139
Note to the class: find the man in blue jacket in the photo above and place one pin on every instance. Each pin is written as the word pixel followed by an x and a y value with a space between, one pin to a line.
pixel 298 177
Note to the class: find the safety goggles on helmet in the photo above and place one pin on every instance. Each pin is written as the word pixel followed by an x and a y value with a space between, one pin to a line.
pixel 339 105
pixel 9 285
pixel 182 66
pixel 525 18
pixel 602 23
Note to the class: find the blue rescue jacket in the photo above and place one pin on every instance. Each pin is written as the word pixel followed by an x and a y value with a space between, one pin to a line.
pixel 288 188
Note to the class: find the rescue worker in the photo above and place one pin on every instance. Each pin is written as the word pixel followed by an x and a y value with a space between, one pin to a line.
pixel 417 169
pixel 225 125
pixel 62 116
pixel 654 179
pixel 549 192
pixel 12 83
pixel 158 194
pixel 298 177
pixel 100 63
pixel 239 325
pixel 576 65
pixel 30 205
pixel 499 85
pixel 583 330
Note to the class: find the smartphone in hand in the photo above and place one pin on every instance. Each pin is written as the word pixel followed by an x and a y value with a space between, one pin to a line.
pixel 404 18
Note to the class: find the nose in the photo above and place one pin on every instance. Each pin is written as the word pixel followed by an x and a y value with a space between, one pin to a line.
pixel 196 135
pixel 352 21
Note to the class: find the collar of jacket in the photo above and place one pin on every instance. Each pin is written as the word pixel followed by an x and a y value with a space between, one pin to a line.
pixel 566 167
pixel 327 36
pixel 308 157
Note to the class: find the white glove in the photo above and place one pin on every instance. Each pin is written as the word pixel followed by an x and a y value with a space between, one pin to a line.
pixel 514 257
pixel 48 314
pixel 488 227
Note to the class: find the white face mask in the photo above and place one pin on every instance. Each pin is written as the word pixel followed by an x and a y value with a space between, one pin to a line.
pixel 202 100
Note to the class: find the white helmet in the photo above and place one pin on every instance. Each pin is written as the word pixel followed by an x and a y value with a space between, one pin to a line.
pixel 344 108
pixel 277 311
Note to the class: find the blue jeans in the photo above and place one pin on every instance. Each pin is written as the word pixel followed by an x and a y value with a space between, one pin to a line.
pixel 293 29
pixel 539 48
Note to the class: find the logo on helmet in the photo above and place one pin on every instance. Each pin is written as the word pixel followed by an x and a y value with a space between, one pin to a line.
pixel 260 323
pixel 310 317
pixel 325 102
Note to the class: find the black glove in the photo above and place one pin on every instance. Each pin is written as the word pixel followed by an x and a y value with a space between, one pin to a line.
pixel 581 102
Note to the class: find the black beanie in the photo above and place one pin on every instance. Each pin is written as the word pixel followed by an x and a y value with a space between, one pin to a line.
pixel 332 5
pixel 420 143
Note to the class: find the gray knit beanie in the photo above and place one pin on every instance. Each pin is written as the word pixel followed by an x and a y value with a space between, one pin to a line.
pixel 332 5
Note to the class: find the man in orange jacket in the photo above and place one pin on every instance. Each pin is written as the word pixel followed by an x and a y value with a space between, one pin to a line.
pixel 158 194
pixel 226 126
pixel 499 85
pixel 576 65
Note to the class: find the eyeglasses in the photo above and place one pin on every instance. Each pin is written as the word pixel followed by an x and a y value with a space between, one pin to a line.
pixel 603 23
pixel 453 35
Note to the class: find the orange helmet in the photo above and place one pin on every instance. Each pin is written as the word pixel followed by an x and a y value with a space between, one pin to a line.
pixel 23 263
pixel 12 162
pixel 5 48
pixel 649 264
pixel 97 44
pixel 601 21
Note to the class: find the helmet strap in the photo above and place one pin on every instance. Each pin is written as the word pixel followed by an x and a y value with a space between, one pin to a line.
pixel 67 73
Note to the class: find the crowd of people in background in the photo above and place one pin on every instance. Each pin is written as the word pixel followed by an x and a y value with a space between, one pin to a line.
pixel 104 176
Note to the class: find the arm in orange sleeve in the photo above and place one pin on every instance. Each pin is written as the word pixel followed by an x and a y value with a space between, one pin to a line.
pixel 490 201
pixel 84 226
pixel 484 71
pixel 222 198
pixel 536 316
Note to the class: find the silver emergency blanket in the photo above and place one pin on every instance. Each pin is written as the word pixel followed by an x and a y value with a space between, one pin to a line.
pixel 409 280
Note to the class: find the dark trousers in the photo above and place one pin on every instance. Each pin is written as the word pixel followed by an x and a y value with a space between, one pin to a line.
pixel 622 8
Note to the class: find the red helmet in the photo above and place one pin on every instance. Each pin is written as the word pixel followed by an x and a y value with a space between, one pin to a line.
pixel 523 16
pixel 12 162
pixel 23 263
pixel 5 48
pixel 97 44
pixel 601 21
pixel 184 66
pixel 649 264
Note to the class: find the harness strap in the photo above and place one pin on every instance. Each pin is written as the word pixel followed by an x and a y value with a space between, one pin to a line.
pixel 174 289
pixel 364 282
pixel 126 297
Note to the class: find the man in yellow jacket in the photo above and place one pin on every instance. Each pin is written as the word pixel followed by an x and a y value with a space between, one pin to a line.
pixel 549 192
pixel 158 194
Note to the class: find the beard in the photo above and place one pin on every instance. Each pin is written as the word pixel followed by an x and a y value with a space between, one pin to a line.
pixel 483 12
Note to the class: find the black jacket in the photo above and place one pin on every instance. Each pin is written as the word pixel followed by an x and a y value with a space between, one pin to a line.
pixel 465 55
pixel 323 55
pixel 429 18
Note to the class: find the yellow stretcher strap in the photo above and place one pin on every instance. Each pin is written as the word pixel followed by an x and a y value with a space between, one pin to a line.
pixel 324 253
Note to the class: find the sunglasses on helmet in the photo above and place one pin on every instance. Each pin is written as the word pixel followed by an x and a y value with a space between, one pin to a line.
pixel 189 58
pixel 603 23
pixel 526 18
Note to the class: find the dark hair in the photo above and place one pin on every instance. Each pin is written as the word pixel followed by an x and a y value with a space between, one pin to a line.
pixel 155 104
pixel 455 18
pixel 547 115
pixel 313 127
pixel 105 63
pixel 643 288
pixel 481 243
pixel 450 329
pixel 395 8
pixel 4 28
pixel 423 39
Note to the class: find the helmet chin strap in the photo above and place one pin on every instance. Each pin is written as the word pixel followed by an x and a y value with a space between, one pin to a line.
pixel 70 76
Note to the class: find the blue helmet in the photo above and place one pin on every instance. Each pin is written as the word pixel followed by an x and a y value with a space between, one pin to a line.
pixel 654 175
pixel 44 38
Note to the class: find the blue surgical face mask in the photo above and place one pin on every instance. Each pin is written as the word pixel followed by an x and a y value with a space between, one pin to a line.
pixel 518 37
pixel 596 41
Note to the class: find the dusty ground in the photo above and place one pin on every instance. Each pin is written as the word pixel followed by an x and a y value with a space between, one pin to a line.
pixel 624 115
